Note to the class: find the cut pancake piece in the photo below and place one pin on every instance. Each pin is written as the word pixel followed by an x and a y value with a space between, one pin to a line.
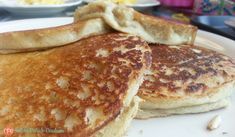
pixel 186 79
pixel 125 19
pixel 79 89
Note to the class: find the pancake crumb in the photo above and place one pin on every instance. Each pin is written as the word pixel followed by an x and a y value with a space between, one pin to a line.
pixel 214 123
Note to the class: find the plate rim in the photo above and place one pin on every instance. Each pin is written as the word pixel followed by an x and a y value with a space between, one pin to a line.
pixel 154 3
pixel 31 19
pixel 72 3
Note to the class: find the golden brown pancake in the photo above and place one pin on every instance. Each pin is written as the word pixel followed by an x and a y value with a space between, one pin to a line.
pixel 186 79
pixel 78 89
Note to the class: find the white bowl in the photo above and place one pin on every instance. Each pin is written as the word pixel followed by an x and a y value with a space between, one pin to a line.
pixel 36 10
pixel 139 4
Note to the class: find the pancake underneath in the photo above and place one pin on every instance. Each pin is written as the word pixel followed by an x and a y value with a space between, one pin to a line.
pixel 186 79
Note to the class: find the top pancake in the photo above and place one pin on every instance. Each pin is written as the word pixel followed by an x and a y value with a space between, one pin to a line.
pixel 78 88
pixel 186 76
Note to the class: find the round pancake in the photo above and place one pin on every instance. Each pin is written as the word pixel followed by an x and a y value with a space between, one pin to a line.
pixel 77 89
pixel 186 76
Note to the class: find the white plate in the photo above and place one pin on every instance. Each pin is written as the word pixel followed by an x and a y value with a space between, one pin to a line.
pixel 139 3
pixel 36 10
pixel 38 23
pixel 193 125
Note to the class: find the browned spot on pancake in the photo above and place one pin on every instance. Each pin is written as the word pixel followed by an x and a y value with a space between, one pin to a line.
pixel 195 87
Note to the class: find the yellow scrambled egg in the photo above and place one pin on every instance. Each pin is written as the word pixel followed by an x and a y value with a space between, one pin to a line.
pixel 42 2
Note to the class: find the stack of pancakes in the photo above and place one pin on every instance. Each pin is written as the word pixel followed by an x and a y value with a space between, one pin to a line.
pixel 86 78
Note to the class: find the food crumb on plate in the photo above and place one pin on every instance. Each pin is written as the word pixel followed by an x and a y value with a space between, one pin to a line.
pixel 214 123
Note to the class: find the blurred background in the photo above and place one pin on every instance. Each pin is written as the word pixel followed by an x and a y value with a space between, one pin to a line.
pixel 216 16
